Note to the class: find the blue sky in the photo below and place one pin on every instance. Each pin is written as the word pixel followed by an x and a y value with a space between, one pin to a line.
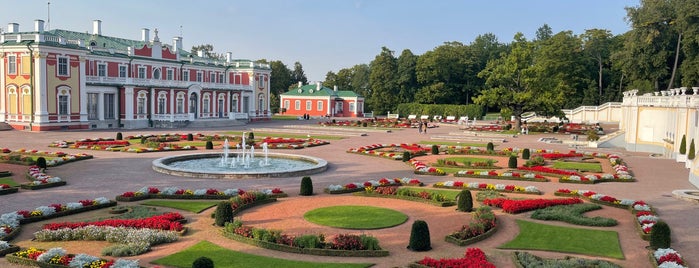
pixel 324 35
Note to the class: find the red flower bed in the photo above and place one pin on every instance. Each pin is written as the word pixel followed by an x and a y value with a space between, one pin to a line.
pixel 560 155
pixel 517 206
pixel 102 143
pixel 474 257
pixel 544 169
pixel 167 221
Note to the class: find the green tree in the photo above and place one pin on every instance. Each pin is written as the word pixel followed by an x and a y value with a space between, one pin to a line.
pixel 330 79
pixel 297 75
pixel 596 45
pixel 687 26
pixel 683 145
pixel 383 82
pixel 279 82
pixel 544 32
pixel 208 50
pixel 443 72
pixel 485 47
pixel 407 79
pixel 558 69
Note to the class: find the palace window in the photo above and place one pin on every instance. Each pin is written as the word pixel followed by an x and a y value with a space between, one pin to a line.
pixel 180 103
pixel 234 104
pixel 63 66
pixel 63 105
pixel 122 71
pixel 351 107
pixel 141 104
pixel 102 70
pixel 170 73
pixel 212 77
pixel 220 78
pixel 308 105
pixel 92 106
pixel 141 72
pixel 297 105
pixel 205 104
pixel 161 103
pixel 12 64
pixel 109 104
pixel 320 105
pixel 185 75
pixel 200 76
pixel 156 73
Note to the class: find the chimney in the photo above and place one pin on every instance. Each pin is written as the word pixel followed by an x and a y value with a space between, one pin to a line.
pixel 97 27
pixel 300 84
pixel 229 57
pixel 176 43
pixel 39 26
pixel 317 85
pixel 335 88
pixel 13 27
pixel 145 35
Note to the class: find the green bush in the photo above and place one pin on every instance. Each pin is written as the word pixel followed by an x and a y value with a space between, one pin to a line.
pixel 308 241
pixel 573 214
pixel 203 262
pixel 420 237
pixel 512 162
pixel 683 145
pixel 209 145
pixel 119 136
pixel 190 137
pixel 592 135
pixel 144 140
pixel 224 213
pixel 41 162
pixel 435 149
pixel 465 201
pixel 406 156
pixel 660 235
pixel 251 136
pixel 490 146
pixel 306 186
pixel 525 153
pixel 691 153
pixel 536 161
pixel 364 124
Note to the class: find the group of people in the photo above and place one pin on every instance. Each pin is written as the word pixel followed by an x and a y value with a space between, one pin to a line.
pixel 422 127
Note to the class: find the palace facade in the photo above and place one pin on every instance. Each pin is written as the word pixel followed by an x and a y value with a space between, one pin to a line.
pixel 61 79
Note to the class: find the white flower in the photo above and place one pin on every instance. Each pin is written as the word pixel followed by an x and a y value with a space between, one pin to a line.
pixel 607 176
pixel 53 180
pixel 334 187
pixel 101 200
pixel 200 192
pixel 143 190
pixel 670 264
pixel 499 187
pixel 641 207
pixel 531 189
pixel 169 191
pixel 4 244
pixel 651 218
pixel 124 263
pixel 627 202
pixel 80 260
pixel 74 205
pixel 591 177
pixel 529 175
pixel 574 178
pixel 664 251
pixel 46 256
pixel 449 183
pixel 473 185
pixel 11 219
pixel 46 210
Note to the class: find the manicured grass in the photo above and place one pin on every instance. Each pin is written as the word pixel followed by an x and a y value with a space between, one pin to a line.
pixel 453 143
pixel 189 205
pixel 449 194
pixel 260 135
pixel 225 258
pixel 9 182
pixel 285 117
pixel 583 167
pixel 356 217
pixel 535 236
pixel 573 214
pixel 460 160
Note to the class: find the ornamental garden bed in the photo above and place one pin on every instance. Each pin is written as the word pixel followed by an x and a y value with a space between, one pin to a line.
pixel 67 212
pixel 483 225
pixel 32 186
pixel 423 197
pixel 464 242
pixel 181 193
pixel 358 187
pixel 458 185
pixel 309 251
pixel 29 257
pixel 390 151
pixel 501 176
pixel 10 249
pixel 12 234
pixel 592 179
pixel 474 257
pixel 27 158
pixel 9 190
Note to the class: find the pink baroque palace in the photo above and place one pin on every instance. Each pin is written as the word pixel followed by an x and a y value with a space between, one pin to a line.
pixel 60 79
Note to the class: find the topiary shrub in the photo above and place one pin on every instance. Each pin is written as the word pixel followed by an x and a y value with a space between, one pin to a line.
pixel 224 213
pixel 526 153
pixel 364 124
pixel 490 146
pixel 420 237
pixel 512 162
pixel 119 136
pixel 435 149
pixel 209 145
pixel 251 136
pixel 41 162
pixel 660 235
pixel 406 156
pixel 203 262
pixel 465 201
pixel 683 145
pixel 144 140
pixel 306 186
pixel 691 153
pixel 190 137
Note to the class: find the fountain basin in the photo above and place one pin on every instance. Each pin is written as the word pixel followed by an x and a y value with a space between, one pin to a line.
pixel 306 165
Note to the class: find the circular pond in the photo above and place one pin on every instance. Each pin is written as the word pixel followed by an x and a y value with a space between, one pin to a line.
pixel 214 165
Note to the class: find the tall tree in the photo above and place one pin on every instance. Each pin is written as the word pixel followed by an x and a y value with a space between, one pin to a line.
pixel 597 46
pixel 297 75
pixel 383 82
pixel 544 33
pixel 279 82
pixel 559 65
pixel 443 72
pixel 484 47
pixel 359 82
pixel 687 24
pixel 330 79
pixel 407 80
pixel 208 50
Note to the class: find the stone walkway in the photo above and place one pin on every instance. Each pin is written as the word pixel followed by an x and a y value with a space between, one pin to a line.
pixel 111 173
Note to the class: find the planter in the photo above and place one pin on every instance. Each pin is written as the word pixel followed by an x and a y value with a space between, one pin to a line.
pixel 9 250
pixel 309 251
pixel 10 190
pixel 464 242
pixel 486 189
pixel 500 177
pixel 42 186
pixel 681 158
pixel 12 235
pixel 67 212
pixel 131 198
pixel 343 191
pixel 5 173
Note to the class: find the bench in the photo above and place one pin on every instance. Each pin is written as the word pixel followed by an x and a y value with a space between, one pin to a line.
pixel 392 116
pixel 450 119
pixel 369 115
pixel 412 117
pixel 437 118
pixel 424 117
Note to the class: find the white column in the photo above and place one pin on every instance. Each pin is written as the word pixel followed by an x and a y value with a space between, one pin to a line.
pixel 152 102
pixel 172 105
pixel 41 109
pixel 82 88
pixel 128 103
pixel 3 89
pixel 100 106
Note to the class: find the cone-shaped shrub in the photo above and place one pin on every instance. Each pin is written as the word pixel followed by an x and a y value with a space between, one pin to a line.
pixel 203 262
pixel 190 137
pixel 660 235
pixel 490 146
pixel 525 153
pixel 465 201
pixel 683 145
pixel 119 136
pixel 691 153
pixel 420 237
pixel 512 162
pixel 306 186
pixel 251 136
pixel 209 145
pixel 406 156
pixel 41 162
pixel 435 149
pixel 224 213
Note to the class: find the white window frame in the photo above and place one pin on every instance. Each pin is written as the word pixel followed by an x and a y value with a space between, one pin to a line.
pixel 93 106
pixel 234 104
pixel 63 104
pixel 157 74
pixel 185 75
pixel 123 71
pixel 109 105
pixel 212 77
pixel 319 105
pixel 141 72
pixel 352 107
pixel 261 103
pixel 205 100
pixel 180 103
pixel 62 68
pixel 12 64
pixel 220 78
pixel 141 103
pixel 102 69
pixel 200 76
pixel 309 105
pixel 162 103
pixel 262 81
pixel 286 104
pixel 170 74
pixel 297 105
pixel 237 77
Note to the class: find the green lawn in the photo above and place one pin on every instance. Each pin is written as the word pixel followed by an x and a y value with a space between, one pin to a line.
pixel 453 143
pixel 536 236
pixel 582 167
pixel 460 159
pixel 9 182
pixel 449 194
pixel 225 258
pixel 285 117
pixel 259 135
pixel 356 217
pixel 188 205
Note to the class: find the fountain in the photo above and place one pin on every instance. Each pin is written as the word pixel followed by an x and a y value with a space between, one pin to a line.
pixel 240 164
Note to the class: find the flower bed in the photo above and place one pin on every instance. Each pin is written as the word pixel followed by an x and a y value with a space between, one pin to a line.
pixel 452 150
pixel 24 157
pixel 290 143
pixel 59 258
pixel 342 245
pixel 180 193
pixel 407 194
pixel 7 248
pixel 552 156
pixel 7 189
pixel 14 219
pixel 474 257
pixel 518 206
pixel 507 175
pixel 41 180
pixel 390 151
pixel 487 186
pixel 667 258
pixel 169 222
pixel 8 232
pixel 484 225
pixel 422 168
pixel 549 171
pixel 595 178
pixel 357 187
pixel 160 144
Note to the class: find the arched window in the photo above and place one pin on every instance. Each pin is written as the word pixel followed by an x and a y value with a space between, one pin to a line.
pixel 162 100
pixel 141 103
pixel 156 73
pixel 180 103
pixel 12 99
pixel 234 103
pixel 261 103
pixel 205 103
pixel 63 99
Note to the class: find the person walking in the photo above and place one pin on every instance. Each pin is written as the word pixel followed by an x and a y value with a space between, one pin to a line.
pixel 419 127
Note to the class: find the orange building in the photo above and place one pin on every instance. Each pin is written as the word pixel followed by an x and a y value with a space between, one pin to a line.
pixel 317 100
pixel 61 79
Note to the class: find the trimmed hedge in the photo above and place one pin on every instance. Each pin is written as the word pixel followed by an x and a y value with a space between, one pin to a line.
pixel 309 251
